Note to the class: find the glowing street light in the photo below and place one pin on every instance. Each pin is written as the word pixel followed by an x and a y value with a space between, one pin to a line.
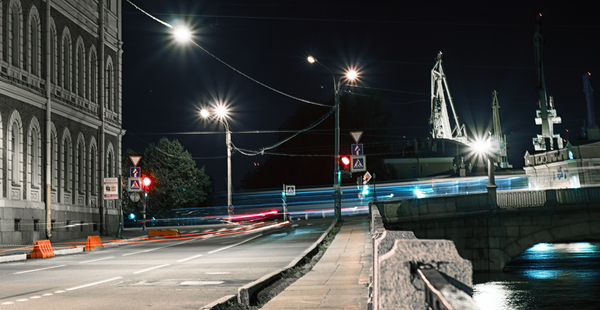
pixel 488 148
pixel 220 113
pixel 182 34
pixel 351 75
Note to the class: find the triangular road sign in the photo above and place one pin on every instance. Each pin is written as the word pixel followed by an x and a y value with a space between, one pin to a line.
pixel 356 135
pixel 135 160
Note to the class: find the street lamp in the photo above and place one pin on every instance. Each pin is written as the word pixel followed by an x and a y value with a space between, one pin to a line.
pixel 488 148
pixel 337 180
pixel 145 185
pixel 220 113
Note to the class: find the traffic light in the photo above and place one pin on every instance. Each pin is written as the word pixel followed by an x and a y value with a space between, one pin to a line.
pixel 146 181
pixel 345 166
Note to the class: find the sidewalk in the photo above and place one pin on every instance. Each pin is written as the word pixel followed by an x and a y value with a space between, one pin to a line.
pixel 340 278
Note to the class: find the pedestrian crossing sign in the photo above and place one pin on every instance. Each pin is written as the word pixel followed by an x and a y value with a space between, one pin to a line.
pixel 358 163
pixel 135 184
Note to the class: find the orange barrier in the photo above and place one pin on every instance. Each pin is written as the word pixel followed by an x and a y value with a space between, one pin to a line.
pixel 93 242
pixel 42 249
pixel 163 232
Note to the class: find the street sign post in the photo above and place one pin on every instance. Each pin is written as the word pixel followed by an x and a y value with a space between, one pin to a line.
pixel 135 172
pixel 134 185
pixel 357 149
pixel 135 160
pixel 358 163
pixel 366 177
pixel 356 135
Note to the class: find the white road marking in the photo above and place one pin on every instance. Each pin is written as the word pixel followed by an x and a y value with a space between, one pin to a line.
pixel 187 283
pixel 162 247
pixel 59 292
pixel 23 299
pixel 8 303
pixel 35 297
pixel 231 246
pixel 217 272
pixel 186 259
pixel 48 294
pixel 91 284
pixel 95 260
pixel 152 268
pixel 295 225
pixel 34 270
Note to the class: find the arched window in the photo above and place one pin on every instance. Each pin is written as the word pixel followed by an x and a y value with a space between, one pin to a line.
pixel 15 33
pixel 54 158
pixel 81 167
pixel 33 44
pixel 109 86
pixel 53 61
pixel 109 165
pixel 80 69
pixel 66 61
pixel 34 156
pixel 93 92
pixel 14 153
pixel 92 170
pixel 66 164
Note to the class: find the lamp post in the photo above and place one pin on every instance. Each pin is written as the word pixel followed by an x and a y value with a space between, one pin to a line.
pixel 337 180
pixel 220 113
pixel 488 149
pixel 145 184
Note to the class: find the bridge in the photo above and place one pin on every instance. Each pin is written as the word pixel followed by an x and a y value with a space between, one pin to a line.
pixel 490 231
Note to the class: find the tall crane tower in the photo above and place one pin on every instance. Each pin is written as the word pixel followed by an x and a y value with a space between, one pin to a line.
pixel 439 120
pixel 546 115
pixel 501 156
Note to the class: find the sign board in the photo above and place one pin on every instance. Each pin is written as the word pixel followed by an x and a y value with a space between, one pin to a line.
pixel 111 188
pixel 135 160
pixel 366 177
pixel 290 190
pixel 358 163
pixel 135 172
pixel 356 135
pixel 230 208
pixel 135 197
pixel 357 149
pixel 134 184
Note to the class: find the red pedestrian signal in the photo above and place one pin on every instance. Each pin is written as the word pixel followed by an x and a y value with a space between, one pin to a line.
pixel 146 182
pixel 345 166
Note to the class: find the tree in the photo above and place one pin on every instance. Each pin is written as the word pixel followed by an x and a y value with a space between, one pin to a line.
pixel 176 181
pixel 309 159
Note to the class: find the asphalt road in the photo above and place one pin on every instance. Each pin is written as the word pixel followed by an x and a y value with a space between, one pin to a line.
pixel 181 273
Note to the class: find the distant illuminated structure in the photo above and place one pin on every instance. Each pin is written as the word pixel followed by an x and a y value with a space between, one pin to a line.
pixel 439 120
pixel 546 115
pixel 501 156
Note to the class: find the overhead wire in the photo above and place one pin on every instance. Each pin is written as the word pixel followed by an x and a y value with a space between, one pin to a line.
pixel 262 150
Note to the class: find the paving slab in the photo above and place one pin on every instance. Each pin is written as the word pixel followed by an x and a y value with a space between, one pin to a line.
pixel 339 279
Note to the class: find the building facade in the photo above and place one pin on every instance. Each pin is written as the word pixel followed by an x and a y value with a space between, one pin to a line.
pixel 60 117
pixel 576 165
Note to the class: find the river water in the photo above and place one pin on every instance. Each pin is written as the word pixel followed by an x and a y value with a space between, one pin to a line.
pixel 546 276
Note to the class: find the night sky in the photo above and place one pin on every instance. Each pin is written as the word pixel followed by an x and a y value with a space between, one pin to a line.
pixel 485 48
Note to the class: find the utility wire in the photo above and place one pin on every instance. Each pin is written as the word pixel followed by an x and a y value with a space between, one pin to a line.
pixel 233 68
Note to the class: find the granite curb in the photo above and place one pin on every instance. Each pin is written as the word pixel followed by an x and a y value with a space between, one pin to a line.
pixel 246 292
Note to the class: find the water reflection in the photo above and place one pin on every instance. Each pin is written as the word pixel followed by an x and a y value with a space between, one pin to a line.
pixel 547 276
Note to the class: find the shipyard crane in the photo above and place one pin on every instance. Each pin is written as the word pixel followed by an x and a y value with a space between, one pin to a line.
pixel 439 120
pixel 546 115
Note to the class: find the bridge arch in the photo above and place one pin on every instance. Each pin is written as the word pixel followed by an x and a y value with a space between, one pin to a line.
pixel 585 231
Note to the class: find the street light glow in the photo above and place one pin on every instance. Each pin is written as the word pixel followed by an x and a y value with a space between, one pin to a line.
pixel 481 146
pixel 204 113
pixel 182 34
pixel 351 75
pixel 221 111
pixel 311 59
